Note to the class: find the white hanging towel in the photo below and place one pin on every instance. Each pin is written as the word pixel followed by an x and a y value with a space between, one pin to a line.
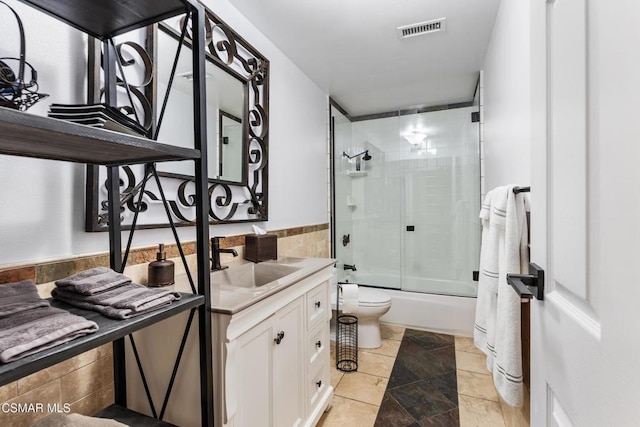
pixel 497 325
pixel 487 301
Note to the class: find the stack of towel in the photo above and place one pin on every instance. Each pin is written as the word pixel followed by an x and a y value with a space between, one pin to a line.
pixel 111 294
pixel 28 324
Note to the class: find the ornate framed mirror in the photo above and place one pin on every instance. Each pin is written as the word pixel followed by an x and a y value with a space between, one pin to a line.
pixel 237 103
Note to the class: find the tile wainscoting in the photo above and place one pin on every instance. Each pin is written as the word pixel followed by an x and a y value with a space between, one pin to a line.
pixel 85 382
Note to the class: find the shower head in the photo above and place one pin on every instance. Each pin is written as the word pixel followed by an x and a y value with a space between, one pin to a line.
pixel 365 157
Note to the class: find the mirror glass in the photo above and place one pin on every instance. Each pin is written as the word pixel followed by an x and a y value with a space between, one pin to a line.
pixel 225 114
pixel 230 146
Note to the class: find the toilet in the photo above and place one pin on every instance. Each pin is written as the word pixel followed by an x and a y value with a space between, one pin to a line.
pixel 372 305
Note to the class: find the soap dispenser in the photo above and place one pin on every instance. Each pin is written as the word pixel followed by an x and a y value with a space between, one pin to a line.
pixel 160 272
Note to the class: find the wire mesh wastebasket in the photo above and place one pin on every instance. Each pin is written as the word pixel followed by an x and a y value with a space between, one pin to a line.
pixel 347 343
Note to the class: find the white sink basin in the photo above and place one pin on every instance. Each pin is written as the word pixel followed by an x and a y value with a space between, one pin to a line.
pixel 250 276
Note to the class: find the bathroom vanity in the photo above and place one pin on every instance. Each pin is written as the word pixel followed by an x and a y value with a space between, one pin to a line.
pixel 270 347
pixel 271 343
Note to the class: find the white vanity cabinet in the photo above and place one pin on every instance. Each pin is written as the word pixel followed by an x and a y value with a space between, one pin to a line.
pixel 269 363
pixel 273 358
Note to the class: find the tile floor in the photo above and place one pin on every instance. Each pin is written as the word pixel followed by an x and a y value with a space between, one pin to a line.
pixel 359 395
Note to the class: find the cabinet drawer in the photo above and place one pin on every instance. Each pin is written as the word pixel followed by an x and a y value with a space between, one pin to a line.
pixel 318 308
pixel 318 384
pixel 318 346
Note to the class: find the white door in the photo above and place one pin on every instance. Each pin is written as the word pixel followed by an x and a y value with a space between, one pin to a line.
pixel 585 335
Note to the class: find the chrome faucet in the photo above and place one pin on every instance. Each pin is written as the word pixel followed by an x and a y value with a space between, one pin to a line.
pixel 350 267
pixel 215 254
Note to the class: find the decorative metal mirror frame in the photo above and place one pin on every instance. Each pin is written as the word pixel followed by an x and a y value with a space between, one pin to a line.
pixel 249 198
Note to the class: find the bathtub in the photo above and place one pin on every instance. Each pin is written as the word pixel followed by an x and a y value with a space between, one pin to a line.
pixel 445 309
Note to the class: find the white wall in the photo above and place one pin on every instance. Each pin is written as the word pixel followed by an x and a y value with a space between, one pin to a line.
pixel 505 99
pixel 42 202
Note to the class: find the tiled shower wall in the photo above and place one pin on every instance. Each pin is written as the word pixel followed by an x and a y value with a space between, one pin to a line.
pixel 85 382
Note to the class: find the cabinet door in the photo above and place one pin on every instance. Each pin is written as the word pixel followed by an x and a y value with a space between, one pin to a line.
pixel 255 375
pixel 288 368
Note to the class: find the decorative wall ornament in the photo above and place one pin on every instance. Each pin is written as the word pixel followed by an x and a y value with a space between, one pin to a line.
pixel 229 202
pixel 16 91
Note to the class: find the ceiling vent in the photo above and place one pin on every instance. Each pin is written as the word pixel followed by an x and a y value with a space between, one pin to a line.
pixel 422 28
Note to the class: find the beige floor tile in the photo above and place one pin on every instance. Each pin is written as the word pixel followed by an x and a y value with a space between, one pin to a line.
pixel 476 385
pixel 466 344
pixel 336 376
pixel 516 417
pixel 389 348
pixel 347 413
pixel 375 364
pixel 362 387
pixel 471 362
pixel 476 412
pixel 391 332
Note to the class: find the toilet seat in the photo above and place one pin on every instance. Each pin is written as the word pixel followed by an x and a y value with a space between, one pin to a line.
pixel 371 298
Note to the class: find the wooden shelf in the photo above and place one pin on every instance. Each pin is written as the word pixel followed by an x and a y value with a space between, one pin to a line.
pixel 28 135
pixel 131 418
pixel 109 330
pixel 108 18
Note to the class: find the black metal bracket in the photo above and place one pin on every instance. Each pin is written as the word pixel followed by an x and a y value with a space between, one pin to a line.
pixel 528 285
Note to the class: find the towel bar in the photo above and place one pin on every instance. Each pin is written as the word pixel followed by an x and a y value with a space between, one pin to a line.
pixel 528 285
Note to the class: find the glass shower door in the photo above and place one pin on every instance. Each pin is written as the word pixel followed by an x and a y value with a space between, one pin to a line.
pixel 441 236
pixel 405 214
pixel 367 200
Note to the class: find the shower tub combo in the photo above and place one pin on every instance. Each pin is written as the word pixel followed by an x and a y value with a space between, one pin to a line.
pixel 406 197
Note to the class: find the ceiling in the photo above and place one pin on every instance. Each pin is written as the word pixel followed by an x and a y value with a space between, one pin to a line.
pixel 352 51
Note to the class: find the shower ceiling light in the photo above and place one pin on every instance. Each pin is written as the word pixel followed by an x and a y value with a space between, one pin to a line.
pixel 415 137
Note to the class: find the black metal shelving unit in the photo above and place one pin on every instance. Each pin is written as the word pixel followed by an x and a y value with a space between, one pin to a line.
pixel 27 135
pixel 109 330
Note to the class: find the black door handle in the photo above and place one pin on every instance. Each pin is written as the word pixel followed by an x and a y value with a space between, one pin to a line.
pixel 528 285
